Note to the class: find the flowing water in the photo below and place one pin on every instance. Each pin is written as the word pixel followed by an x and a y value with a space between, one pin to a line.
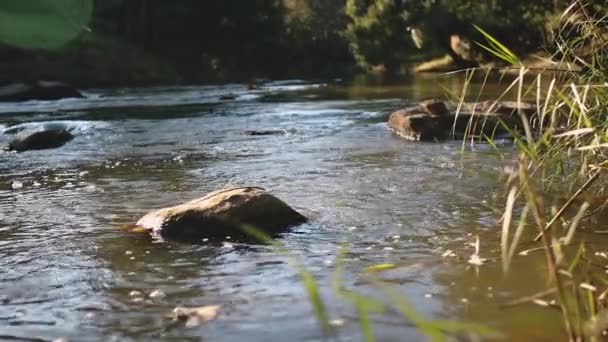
pixel 67 270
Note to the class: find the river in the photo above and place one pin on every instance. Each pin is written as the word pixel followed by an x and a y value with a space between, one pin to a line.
pixel 67 269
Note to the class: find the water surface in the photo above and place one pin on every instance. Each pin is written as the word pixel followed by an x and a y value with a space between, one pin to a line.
pixel 67 269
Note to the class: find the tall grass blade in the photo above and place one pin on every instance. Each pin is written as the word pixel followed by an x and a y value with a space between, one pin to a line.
pixel 310 284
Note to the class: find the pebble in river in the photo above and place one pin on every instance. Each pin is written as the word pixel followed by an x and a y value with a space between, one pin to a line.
pixel 338 322
pixel 157 294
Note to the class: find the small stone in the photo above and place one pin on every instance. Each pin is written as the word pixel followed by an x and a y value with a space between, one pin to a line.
pixel 129 253
pixel 90 188
pixel 477 260
pixel 135 293
pixel 137 300
pixel 388 248
pixel 351 229
pixel 464 300
pixel 61 339
pixel 132 258
pixel 428 295
pixel 338 322
pixel 157 294
pixel 83 173
pixel 17 185
pixel 448 254
pixel 36 185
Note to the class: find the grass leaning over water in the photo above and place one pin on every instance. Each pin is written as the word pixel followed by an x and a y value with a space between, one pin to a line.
pixel 436 330
pixel 564 153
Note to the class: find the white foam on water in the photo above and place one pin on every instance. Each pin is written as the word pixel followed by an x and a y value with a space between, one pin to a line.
pixel 77 126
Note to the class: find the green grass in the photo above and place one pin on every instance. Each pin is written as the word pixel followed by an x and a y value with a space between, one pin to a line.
pixel 565 154
pixel 366 306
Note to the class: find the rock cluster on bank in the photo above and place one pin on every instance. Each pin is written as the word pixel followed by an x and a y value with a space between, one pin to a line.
pixel 437 120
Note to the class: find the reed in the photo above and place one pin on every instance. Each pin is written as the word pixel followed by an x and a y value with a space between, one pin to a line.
pixel 565 153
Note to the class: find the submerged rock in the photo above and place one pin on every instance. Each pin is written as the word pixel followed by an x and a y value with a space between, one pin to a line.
pixel 436 120
pixel 228 97
pixel 48 136
pixel 254 132
pixel 222 213
pixel 39 90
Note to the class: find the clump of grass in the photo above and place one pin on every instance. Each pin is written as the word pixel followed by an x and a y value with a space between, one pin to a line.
pixel 565 153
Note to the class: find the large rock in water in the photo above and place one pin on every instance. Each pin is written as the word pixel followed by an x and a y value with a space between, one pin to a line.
pixel 39 90
pixel 222 213
pixel 48 136
pixel 436 120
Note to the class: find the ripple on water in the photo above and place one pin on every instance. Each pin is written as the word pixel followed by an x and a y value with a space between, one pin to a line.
pixel 385 200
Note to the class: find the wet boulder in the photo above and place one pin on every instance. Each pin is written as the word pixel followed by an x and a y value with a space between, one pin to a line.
pixel 46 137
pixel 228 97
pixel 437 120
pixel 510 109
pixel 39 90
pixel 435 107
pixel 221 213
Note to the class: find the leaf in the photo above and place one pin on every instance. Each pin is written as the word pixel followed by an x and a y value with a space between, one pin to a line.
pixel 195 316
pixel 497 48
pixel 44 24
pixel 379 267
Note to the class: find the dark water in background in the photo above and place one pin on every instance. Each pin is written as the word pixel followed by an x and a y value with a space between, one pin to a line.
pixel 66 270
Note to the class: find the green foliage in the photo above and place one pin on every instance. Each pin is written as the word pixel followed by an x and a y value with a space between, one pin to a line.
pixel 43 24
pixel 377 32
pixel 497 49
